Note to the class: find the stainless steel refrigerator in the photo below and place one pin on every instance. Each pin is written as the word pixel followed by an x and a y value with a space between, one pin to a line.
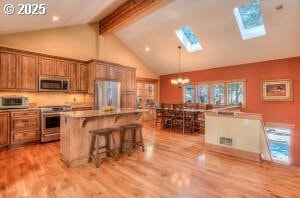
pixel 107 93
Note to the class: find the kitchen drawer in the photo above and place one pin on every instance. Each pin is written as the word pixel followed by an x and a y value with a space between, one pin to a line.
pixel 24 123
pixel 29 113
pixel 24 137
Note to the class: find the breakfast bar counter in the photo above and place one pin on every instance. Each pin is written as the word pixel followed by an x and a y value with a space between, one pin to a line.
pixel 75 127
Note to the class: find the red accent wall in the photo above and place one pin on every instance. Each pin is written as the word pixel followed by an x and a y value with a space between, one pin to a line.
pixel 254 73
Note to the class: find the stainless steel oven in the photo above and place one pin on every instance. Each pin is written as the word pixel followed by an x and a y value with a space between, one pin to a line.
pixel 54 84
pixel 50 122
pixel 13 102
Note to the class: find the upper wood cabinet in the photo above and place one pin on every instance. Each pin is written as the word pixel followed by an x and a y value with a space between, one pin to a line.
pixel 127 79
pixel 53 67
pixel 29 72
pixel 113 73
pixel 47 66
pixel 61 68
pixel 83 77
pixel 8 70
pixel 131 80
pixel 73 67
pixel 78 77
pixel 101 71
pixel 4 129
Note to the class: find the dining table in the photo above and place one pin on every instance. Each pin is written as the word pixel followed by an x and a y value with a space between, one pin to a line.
pixel 193 112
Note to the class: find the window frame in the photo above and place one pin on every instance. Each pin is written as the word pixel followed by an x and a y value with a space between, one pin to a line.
pixel 225 82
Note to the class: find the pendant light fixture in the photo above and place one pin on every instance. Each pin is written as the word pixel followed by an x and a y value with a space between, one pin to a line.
pixel 180 82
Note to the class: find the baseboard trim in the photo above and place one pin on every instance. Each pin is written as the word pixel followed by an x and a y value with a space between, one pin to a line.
pixel 233 152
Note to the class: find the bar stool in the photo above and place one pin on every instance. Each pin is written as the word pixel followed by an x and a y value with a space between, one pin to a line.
pixel 108 147
pixel 130 130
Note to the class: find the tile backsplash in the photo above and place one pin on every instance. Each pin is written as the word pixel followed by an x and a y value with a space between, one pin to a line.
pixel 52 98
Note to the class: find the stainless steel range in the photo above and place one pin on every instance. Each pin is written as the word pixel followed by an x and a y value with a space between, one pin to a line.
pixel 50 122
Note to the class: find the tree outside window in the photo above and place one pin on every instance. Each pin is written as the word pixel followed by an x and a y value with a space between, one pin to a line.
pixel 235 93
pixel 189 93
pixel 217 93
pixel 202 94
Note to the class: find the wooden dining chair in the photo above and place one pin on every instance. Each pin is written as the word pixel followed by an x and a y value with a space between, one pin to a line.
pixel 178 106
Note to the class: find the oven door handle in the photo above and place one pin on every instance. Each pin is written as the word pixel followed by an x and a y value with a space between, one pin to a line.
pixel 50 114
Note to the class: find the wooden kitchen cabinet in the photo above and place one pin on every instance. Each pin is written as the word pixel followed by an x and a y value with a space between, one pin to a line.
pixel 83 77
pixel 61 68
pixel 25 126
pixel 101 71
pixel 8 70
pixel 4 130
pixel 73 67
pixel 128 100
pixel 29 72
pixel 123 79
pixel 53 67
pixel 131 80
pixel 78 77
pixel 114 73
pixel 47 66
pixel 127 79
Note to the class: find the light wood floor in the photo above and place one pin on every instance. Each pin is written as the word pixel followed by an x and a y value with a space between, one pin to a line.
pixel 173 165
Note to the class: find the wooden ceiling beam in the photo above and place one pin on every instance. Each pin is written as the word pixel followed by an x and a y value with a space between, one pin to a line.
pixel 127 12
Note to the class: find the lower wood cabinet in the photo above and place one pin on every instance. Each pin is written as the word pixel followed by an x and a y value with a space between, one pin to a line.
pixel 4 130
pixel 149 115
pixel 128 100
pixel 25 126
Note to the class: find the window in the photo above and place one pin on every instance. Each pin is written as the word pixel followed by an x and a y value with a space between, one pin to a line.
pixel 189 39
pixel 235 93
pixel 217 94
pixel 250 20
pixel 202 94
pixel 189 93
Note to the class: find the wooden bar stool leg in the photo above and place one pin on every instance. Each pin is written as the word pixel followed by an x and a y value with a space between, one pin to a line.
pixel 130 142
pixel 107 138
pixel 97 152
pixel 92 146
pixel 141 139
pixel 134 138
pixel 122 140
pixel 114 147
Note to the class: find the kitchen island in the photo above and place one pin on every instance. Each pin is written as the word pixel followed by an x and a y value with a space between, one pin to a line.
pixel 75 127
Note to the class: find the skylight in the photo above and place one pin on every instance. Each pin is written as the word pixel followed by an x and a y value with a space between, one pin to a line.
pixel 250 20
pixel 188 39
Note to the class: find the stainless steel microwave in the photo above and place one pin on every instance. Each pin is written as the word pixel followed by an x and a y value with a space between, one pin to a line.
pixel 13 102
pixel 54 84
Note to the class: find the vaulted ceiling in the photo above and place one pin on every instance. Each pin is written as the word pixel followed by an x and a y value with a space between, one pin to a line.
pixel 215 26
pixel 69 12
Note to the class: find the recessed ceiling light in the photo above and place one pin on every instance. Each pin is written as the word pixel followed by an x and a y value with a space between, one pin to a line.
pixel 279 7
pixel 55 18
pixel 147 49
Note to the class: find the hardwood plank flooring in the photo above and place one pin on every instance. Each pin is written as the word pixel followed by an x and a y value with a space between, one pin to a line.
pixel 173 165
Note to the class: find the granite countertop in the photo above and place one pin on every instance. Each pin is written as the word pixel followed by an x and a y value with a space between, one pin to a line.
pixel 99 113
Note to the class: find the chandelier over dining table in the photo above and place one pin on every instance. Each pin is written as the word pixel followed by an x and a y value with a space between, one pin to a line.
pixel 180 82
